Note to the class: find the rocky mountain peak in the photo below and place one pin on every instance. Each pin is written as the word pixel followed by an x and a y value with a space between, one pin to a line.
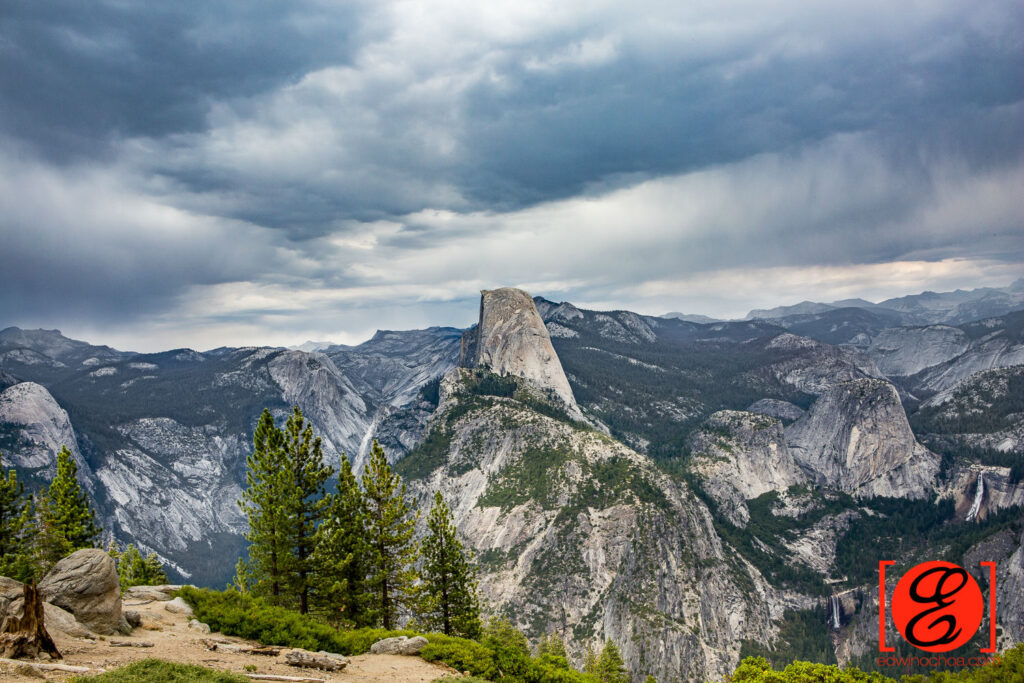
pixel 511 339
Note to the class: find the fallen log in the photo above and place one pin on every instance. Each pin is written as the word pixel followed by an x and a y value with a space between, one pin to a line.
pixel 129 643
pixel 26 636
pixel 316 660
pixel 47 666
pixel 240 648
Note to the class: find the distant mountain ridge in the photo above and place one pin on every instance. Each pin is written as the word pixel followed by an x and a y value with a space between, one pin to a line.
pixel 927 308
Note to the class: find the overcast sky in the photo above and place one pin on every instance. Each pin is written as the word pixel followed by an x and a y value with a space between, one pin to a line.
pixel 205 173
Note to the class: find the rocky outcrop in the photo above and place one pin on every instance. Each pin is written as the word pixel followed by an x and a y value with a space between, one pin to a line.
pixel 38 427
pixel 86 584
pixel 1006 549
pixel 986 488
pixel 578 533
pixel 511 339
pixel 938 357
pixel 856 438
pixel 161 593
pixel 905 351
pixel 739 456
pixel 772 407
pixel 812 367
pixel 400 645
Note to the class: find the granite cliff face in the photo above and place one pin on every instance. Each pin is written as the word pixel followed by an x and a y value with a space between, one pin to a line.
pixel 511 339
pixel 856 438
pixel 34 428
pixel 936 358
pixel 578 533
pixel 739 456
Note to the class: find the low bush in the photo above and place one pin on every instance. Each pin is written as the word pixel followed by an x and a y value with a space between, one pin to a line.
pixel 461 654
pixel 233 613
pixel 160 671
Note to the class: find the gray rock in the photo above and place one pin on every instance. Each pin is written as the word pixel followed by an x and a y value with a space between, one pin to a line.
pixel 511 339
pixel 178 606
pixel 86 584
pixel 196 626
pixel 856 438
pixel 400 645
pixel 773 407
pixel 740 456
pixel 39 427
pixel 133 618
pixel 63 621
pixel 156 593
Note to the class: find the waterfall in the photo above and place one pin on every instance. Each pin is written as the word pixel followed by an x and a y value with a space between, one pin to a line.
pixel 976 505
pixel 833 602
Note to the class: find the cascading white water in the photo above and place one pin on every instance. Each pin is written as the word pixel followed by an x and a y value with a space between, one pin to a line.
pixel 834 602
pixel 978 493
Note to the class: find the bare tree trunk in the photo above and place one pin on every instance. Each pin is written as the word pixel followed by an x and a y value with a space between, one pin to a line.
pixel 26 636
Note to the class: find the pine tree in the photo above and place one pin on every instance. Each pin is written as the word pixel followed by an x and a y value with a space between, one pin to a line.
pixel 590 662
pixel 610 667
pixel 551 650
pixel 448 578
pixel 265 504
pixel 136 570
pixel 390 523
pixel 304 454
pixel 66 520
pixel 341 553
pixel 15 551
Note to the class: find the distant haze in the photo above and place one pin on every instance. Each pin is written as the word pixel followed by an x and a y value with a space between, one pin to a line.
pixel 207 173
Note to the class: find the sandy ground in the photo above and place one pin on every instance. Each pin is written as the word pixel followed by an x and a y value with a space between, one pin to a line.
pixel 171 640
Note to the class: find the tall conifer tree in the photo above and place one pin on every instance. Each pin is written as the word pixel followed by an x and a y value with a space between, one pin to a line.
pixel 66 520
pixel 15 553
pixel 451 604
pixel 610 667
pixel 341 555
pixel 265 504
pixel 390 523
pixel 305 501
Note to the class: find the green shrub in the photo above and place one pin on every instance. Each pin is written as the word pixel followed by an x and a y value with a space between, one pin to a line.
pixel 235 614
pixel 544 670
pixel 461 654
pixel 160 671
pixel 510 647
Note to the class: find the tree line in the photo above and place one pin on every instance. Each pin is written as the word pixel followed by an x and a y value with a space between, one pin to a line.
pixel 348 555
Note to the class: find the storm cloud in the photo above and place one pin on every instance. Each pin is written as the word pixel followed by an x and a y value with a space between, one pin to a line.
pixel 236 173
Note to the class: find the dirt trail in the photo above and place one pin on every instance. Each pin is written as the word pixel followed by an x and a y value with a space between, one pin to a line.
pixel 171 639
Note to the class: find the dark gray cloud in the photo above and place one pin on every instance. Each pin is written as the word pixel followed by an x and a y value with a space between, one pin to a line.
pixel 232 166
pixel 78 76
